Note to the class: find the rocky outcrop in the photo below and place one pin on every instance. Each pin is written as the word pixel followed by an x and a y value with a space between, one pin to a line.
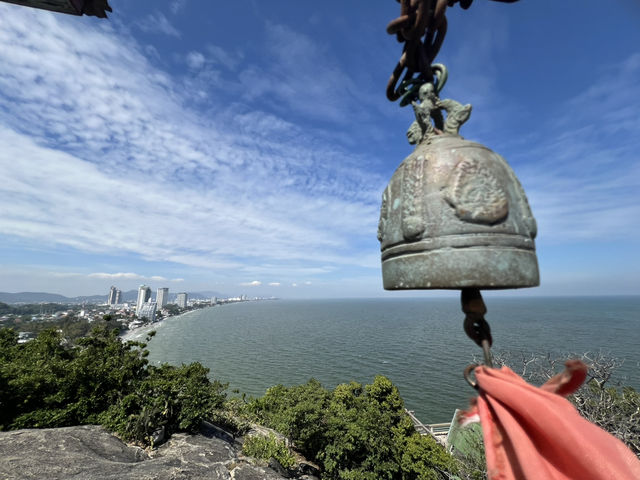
pixel 91 453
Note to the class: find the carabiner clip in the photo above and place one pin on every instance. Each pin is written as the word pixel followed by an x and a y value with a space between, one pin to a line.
pixel 486 352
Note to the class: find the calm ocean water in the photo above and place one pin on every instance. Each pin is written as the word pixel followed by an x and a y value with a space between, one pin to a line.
pixel 418 343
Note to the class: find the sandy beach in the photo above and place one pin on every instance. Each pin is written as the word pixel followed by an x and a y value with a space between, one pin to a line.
pixel 139 334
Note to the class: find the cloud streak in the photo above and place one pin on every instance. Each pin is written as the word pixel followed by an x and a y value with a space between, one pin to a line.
pixel 123 166
pixel 584 179
pixel 270 167
pixel 157 23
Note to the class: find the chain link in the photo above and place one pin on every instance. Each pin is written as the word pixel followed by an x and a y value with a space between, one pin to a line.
pixel 418 18
pixel 421 26
pixel 475 326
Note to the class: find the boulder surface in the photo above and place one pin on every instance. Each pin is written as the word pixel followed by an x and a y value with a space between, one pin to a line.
pixel 89 452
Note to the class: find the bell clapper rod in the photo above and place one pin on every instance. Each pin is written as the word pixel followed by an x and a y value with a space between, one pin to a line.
pixel 476 327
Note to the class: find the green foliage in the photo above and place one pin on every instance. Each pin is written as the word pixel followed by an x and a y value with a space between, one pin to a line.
pixel 47 383
pixel 231 417
pixel 297 412
pixel 424 459
pixel 33 308
pixel 353 432
pixel 173 398
pixel 71 326
pixel 266 448
pixel 172 308
pixel 468 446
pixel 615 409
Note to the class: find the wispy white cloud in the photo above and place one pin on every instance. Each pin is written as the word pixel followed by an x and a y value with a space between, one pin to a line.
pixel 274 284
pixel 156 22
pixel 255 283
pixel 219 56
pixel 104 152
pixel 66 274
pixel 195 60
pixel 124 276
pixel 124 166
pixel 177 5
pixel 582 170
pixel 301 76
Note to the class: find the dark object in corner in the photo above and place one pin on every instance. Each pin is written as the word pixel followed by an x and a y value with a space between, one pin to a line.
pixel 95 8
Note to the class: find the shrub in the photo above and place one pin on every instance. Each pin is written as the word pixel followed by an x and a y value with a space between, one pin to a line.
pixel 169 398
pixel 100 379
pixel 266 448
pixel 297 412
pixel 424 459
pixel 353 432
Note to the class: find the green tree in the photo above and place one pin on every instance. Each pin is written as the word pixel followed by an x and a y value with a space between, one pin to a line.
pixel 354 432
pixel 50 383
pixel 297 412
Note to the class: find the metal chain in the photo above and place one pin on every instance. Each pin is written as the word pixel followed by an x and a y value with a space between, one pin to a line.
pixel 418 18
pixel 421 26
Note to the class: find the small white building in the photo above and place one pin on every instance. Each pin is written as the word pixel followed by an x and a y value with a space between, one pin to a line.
pixel 148 311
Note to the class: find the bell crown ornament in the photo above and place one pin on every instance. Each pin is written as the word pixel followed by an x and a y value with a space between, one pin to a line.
pixel 454 215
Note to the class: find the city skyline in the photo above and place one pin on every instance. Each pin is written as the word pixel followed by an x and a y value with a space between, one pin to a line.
pixel 244 148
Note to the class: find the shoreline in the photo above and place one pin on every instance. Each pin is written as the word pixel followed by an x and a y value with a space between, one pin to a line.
pixel 140 332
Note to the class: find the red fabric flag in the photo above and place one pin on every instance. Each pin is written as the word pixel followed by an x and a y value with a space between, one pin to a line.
pixel 535 433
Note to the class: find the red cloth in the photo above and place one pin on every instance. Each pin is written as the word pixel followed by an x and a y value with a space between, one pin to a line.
pixel 535 433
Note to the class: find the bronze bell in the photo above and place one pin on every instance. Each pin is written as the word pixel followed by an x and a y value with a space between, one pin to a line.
pixel 454 215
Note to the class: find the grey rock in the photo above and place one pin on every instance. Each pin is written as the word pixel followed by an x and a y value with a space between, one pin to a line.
pixel 91 453
pixel 277 467
pixel 250 472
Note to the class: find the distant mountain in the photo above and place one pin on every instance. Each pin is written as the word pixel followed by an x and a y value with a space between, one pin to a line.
pixel 33 297
pixel 203 295
pixel 129 296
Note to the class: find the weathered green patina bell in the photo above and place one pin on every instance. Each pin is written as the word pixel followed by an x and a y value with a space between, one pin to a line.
pixel 454 215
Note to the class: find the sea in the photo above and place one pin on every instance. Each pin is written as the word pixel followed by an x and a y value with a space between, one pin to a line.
pixel 418 343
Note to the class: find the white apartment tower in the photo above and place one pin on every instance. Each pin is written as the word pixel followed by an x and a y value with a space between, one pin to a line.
pixel 182 300
pixel 118 297
pixel 162 297
pixel 144 295
pixel 112 296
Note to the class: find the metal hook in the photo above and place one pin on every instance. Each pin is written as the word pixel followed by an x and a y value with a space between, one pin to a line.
pixel 488 362
pixel 467 375
pixel 486 351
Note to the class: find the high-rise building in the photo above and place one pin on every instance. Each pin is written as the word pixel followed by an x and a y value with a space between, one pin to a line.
pixel 148 310
pixel 162 297
pixel 112 296
pixel 144 295
pixel 182 300
pixel 118 297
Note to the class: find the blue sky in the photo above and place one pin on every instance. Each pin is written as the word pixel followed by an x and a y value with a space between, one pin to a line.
pixel 243 147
